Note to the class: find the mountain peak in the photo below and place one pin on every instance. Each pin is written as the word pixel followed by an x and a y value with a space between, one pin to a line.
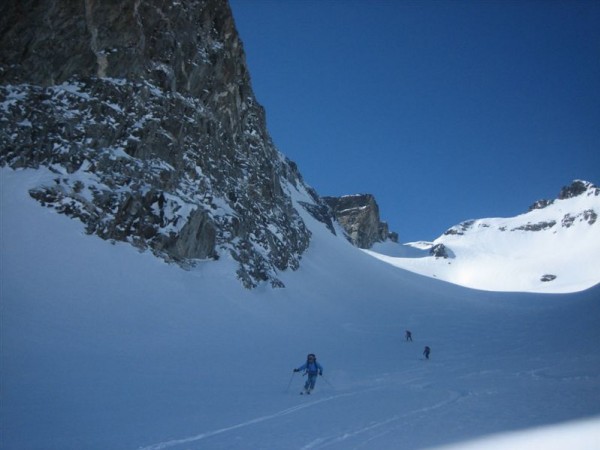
pixel 577 188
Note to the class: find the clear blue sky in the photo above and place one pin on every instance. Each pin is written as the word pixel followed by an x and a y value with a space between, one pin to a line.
pixel 444 110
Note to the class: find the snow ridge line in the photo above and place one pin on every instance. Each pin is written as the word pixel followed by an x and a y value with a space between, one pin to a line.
pixel 285 412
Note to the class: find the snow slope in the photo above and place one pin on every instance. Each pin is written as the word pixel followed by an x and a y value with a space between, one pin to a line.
pixel 561 240
pixel 104 347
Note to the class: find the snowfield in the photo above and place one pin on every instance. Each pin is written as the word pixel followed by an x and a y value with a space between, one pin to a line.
pixel 551 250
pixel 104 347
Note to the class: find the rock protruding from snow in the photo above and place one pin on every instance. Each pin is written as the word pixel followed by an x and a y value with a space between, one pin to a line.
pixel 359 217
pixel 145 113
pixel 439 251
pixel 460 229
pixel 577 188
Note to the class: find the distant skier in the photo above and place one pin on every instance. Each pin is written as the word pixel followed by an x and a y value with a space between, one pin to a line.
pixel 426 352
pixel 311 368
pixel 408 336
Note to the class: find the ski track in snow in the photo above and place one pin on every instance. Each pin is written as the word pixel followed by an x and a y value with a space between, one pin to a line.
pixel 285 412
pixel 388 425
pixel 330 440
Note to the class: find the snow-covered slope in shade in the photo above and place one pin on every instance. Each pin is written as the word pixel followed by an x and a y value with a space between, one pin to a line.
pixel 105 347
pixel 550 249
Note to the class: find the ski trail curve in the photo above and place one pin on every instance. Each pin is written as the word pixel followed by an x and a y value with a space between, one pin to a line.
pixel 284 412
pixel 335 439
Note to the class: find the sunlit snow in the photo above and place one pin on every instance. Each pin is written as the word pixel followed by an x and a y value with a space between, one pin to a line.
pixel 502 254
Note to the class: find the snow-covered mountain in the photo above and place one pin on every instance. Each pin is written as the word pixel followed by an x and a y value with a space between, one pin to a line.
pixel 106 347
pixel 145 115
pixel 138 120
pixel 552 248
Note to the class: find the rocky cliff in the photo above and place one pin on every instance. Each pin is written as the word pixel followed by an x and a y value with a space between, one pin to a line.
pixel 145 113
pixel 359 217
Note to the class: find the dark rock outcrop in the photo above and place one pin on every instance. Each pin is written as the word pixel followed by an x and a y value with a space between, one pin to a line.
pixel 540 226
pixel 575 189
pixel 460 229
pixel 359 217
pixel 145 113
pixel 439 251
pixel 541 204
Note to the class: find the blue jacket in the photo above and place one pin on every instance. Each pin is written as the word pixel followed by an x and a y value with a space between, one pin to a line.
pixel 311 368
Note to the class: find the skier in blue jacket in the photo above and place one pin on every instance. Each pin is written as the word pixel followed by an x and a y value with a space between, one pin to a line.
pixel 311 368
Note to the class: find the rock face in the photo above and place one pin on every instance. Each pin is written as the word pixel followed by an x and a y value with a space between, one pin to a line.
pixel 145 113
pixel 359 217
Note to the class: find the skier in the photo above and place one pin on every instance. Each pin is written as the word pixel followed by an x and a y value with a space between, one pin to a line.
pixel 426 352
pixel 311 368
pixel 408 336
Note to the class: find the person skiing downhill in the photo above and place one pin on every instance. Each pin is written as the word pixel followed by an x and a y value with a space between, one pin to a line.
pixel 426 352
pixel 408 335
pixel 311 368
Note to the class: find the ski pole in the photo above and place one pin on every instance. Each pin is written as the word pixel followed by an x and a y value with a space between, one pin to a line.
pixel 327 382
pixel 290 383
